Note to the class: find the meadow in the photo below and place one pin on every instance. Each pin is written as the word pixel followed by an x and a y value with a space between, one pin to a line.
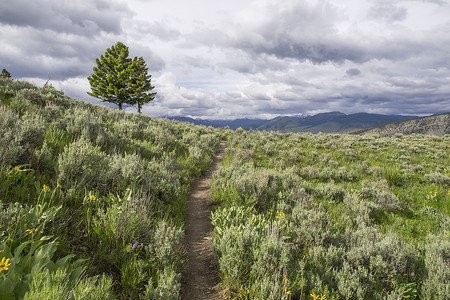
pixel 333 216
pixel 94 205
pixel 93 199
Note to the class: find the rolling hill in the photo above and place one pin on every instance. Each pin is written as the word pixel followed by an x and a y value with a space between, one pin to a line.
pixel 438 125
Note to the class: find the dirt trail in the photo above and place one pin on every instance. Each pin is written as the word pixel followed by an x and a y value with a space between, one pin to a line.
pixel 200 279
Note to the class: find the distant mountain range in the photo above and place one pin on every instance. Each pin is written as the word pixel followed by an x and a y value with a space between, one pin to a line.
pixel 246 124
pixel 324 122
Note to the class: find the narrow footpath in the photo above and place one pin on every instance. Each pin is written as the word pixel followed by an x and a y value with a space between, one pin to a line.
pixel 200 279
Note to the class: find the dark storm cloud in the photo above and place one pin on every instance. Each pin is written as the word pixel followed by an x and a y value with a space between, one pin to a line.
pixel 309 32
pixel 62 38
pixel 438 2
pixel 352 72
pixel 35 53
pixel 87 18
pixel 298 30
pixel 139 30
pixel 386 10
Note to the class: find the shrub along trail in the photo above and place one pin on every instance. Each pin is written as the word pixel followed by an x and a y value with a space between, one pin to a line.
pixel 200 279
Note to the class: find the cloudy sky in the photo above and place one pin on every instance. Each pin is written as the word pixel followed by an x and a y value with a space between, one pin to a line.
pixel 235 58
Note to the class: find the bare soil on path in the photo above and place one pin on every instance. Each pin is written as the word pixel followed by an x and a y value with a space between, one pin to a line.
pixel 200 278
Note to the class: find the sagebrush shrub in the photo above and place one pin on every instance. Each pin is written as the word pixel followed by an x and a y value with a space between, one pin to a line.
pixel 379 193
pixel 166 244
pixel 86 166
pixel 437 262
pixel 34 96
pixel 438 178
pixel 311 224
pixel 165 285
pixel 20 137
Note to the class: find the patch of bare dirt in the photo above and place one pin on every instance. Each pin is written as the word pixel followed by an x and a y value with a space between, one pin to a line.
pixel 200 278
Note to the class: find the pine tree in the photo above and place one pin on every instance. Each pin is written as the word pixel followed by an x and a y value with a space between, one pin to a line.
pixel 140 84
pixel 121 80
pixel 5 74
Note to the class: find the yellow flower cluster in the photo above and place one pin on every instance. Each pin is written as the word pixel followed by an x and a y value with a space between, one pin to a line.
pixel 4 264
pixel 279 214
pixel 31 230
pixel 46 187
pixel 286 291
pixel 321 297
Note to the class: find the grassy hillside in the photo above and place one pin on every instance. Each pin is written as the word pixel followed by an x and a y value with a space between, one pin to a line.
pixel 93 199
pixel 335 216
pixel 438 125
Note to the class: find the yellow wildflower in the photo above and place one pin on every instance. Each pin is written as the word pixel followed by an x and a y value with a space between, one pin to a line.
pixel 45 188
pixel 31 230
pixel 58 185
pixel 16 168
pixel 285 279
pixel 322 296
pixel 4 264
pixel 286 291
pixel 92 198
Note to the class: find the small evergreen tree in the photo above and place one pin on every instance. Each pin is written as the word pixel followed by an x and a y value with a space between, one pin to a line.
pixel 140 84
pixel 5 74
pixel 121 80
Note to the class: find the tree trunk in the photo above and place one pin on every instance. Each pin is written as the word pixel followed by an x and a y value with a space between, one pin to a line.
pixel 120 106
